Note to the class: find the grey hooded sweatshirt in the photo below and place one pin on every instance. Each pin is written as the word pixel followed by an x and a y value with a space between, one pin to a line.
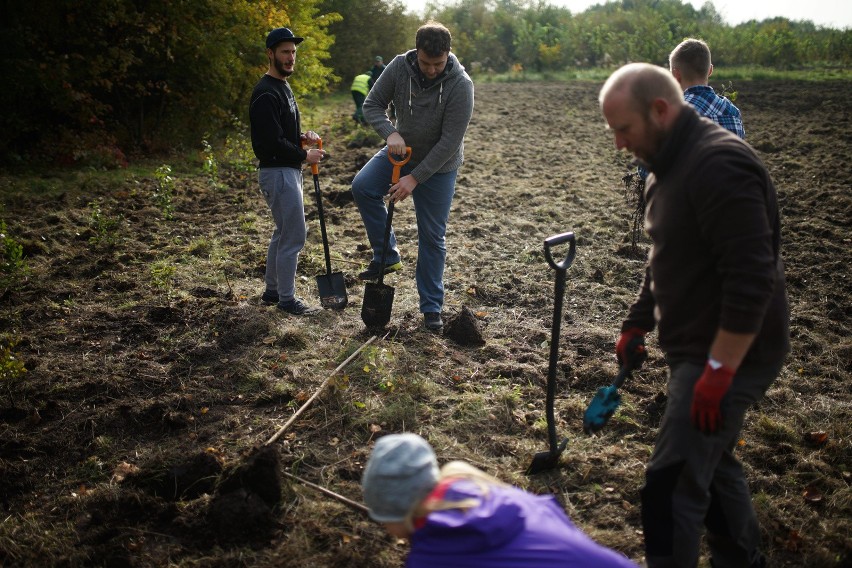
pixel 432 120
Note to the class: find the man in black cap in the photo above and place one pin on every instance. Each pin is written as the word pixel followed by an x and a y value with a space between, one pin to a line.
pixel 378 67
pixel 276 138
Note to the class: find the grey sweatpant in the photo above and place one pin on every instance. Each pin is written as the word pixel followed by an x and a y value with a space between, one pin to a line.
pixel 282 189
pixel 693 479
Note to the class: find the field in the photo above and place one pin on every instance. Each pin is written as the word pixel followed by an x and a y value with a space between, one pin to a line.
pixel 137 436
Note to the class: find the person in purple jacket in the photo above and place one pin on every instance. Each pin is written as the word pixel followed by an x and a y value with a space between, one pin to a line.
pixel 459 516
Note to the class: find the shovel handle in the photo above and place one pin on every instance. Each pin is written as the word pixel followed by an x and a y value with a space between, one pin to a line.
pixel 558 240
pixel 397 164
pixel 314 167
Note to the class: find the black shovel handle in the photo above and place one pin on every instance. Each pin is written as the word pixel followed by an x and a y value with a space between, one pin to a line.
pixel 559 293
pixel 397 164
pixel 320 212
pixel 558 240
pixel 386 243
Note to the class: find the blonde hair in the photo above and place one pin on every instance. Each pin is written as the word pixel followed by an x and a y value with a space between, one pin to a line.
pixel 455 470
pixel 692 58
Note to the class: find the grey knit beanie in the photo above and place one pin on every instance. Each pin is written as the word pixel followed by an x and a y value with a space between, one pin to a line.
pixel 401 471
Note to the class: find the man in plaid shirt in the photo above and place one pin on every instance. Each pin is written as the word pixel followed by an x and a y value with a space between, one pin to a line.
pixel 690 64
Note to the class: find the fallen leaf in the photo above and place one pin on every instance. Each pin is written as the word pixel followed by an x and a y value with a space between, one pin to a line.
pixel 816 438
pixel 793 541
pixel 375 428
pixel 812 495
pixel 122 470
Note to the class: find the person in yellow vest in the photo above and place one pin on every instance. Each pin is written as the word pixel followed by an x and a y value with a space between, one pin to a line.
pixel 360 87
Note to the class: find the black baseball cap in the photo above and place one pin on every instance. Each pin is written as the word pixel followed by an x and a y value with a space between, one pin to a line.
pixel 278 35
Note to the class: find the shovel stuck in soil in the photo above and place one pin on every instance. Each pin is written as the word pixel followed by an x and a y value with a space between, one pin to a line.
pixel 378 297
pixel 543 461
pixel 331 285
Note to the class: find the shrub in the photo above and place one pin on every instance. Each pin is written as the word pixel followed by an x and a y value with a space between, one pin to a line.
pixel 13 268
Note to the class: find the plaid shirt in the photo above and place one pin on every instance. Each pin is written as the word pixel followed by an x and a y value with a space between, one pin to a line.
pixel 718 109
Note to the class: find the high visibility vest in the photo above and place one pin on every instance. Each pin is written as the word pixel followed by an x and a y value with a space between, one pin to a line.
pixel 361 83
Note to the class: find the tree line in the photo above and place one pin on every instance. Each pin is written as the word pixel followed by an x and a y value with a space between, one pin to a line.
pixel 94 81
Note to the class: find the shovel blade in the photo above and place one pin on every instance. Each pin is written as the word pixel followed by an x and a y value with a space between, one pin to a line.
pixel 544 461
pixel 378 303
pixel 332 290
pixel 602 407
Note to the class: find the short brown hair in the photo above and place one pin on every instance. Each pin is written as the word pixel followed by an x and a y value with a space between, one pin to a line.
pixel 433 38
pixel 692 58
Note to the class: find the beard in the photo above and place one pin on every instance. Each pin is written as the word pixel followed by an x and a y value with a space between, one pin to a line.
pixel 654 137
pixel 283 71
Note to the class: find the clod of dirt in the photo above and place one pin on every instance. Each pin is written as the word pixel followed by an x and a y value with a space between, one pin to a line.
pixel 464 328
pixel 240 517
pixel 250 492
pixel 257 473
pixel 164 315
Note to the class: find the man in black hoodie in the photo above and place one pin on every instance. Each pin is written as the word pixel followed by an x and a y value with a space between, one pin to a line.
pixel 714 290
pixel 276 138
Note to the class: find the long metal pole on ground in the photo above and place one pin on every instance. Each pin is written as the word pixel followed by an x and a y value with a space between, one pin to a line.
pixel 319 390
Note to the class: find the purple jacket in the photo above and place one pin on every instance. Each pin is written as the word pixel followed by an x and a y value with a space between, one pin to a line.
pixel 511 528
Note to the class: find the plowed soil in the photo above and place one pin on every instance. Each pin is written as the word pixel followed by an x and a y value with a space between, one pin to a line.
pixel 137 436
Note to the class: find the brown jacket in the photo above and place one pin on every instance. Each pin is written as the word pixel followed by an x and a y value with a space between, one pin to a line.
pixel 712 215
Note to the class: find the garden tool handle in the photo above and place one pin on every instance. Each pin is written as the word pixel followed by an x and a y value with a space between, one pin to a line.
pixel 397 164
pixel 637 356
pixel 315 167
pixel 558 240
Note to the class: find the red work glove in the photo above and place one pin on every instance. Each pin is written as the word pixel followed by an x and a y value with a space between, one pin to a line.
pixel 631 347
pixel 707 396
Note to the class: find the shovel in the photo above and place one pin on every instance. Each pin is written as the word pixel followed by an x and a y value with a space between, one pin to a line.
pixel 378 297
pixel 331 285
pixel 607 399
pixel 543 461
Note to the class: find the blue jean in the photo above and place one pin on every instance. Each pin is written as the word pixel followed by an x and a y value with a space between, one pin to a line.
pixel 693 480
pixel 282 189
pixel 432 201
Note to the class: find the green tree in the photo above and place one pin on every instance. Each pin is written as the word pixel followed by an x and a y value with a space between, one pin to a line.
pixel 363 29
pixel 90 78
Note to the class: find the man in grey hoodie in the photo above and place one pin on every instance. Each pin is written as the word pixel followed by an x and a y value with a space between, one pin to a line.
pixel 433 98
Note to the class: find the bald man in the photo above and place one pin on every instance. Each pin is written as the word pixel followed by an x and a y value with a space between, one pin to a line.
pixel 714 291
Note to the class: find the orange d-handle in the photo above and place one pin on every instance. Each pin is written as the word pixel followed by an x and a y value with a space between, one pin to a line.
pixel 314 167
pixel 397 164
